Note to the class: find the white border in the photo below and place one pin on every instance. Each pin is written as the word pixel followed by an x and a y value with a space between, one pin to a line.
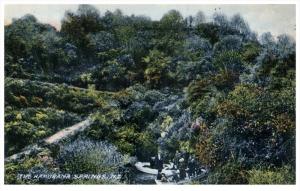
pixel 183 2
pixel 144 187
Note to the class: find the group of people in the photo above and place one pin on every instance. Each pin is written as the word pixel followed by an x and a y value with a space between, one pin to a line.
pixel 183 162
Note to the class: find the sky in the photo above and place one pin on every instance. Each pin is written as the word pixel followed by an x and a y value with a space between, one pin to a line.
pixel 277 19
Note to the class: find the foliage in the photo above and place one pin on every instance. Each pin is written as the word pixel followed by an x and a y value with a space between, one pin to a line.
pixel 281 175
pixel 157 72
pixel 229 173
pixel 12 170
pixel 213 89
pixel 77 26
pixel 85 156
pixel 32 124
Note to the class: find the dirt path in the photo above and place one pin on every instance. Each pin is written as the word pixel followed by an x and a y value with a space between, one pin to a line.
pixel 67 132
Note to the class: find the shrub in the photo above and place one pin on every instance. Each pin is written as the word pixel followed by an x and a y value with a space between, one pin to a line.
pixel 283 175
pixel 230 173
pixel 86 156
pixel 13 168
pixel 30 125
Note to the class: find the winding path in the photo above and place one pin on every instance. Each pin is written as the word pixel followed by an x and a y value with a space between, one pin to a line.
pixel 68 132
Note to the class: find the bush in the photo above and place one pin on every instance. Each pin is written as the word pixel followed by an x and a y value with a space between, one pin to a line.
pixel 230 173
pixel 283 175
pixel 30 125
pixel 86 156
pixel 12 170
pixel 157 71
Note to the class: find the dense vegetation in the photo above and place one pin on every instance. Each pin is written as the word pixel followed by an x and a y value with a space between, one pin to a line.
pixel 211 88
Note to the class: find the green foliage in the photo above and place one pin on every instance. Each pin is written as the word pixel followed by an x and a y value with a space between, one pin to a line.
pixel 33 124
pixel 112 76
pixel 170 31
pixel 33 46
pixel 250 51
pixel 172 20
pixel 126 138
pixel 283 175
pixel 208 31
pixel 12 170
pixel 37 110
pixel 77 26
pixel 229 61
pixel 157 72
pixel 239 93
pixel 251 115
pixel 26 93
pixel 230 173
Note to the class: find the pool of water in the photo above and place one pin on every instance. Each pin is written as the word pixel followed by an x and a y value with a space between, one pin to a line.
pixel 143 178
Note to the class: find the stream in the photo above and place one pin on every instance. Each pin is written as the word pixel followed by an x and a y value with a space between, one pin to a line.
pixel 173 122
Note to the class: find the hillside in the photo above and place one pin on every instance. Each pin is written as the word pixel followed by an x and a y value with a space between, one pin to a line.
pixel 212 91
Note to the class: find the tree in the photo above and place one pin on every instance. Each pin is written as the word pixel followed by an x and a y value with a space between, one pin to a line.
pixel 209 31
pixel 277 59
pixel 30 42
pixel 172 21
pixel 267 38
pixel 76 26
pixel 170 33
pixel 220 20
pixel 238 23
pixel 199 18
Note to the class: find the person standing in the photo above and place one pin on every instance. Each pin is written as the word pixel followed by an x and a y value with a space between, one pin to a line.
pixel 159 165
pixel 152 162
pixel 182 173
pixel 191 167
pixel 176 158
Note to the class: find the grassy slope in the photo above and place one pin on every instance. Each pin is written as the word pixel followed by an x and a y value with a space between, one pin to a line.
pixel 34 110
